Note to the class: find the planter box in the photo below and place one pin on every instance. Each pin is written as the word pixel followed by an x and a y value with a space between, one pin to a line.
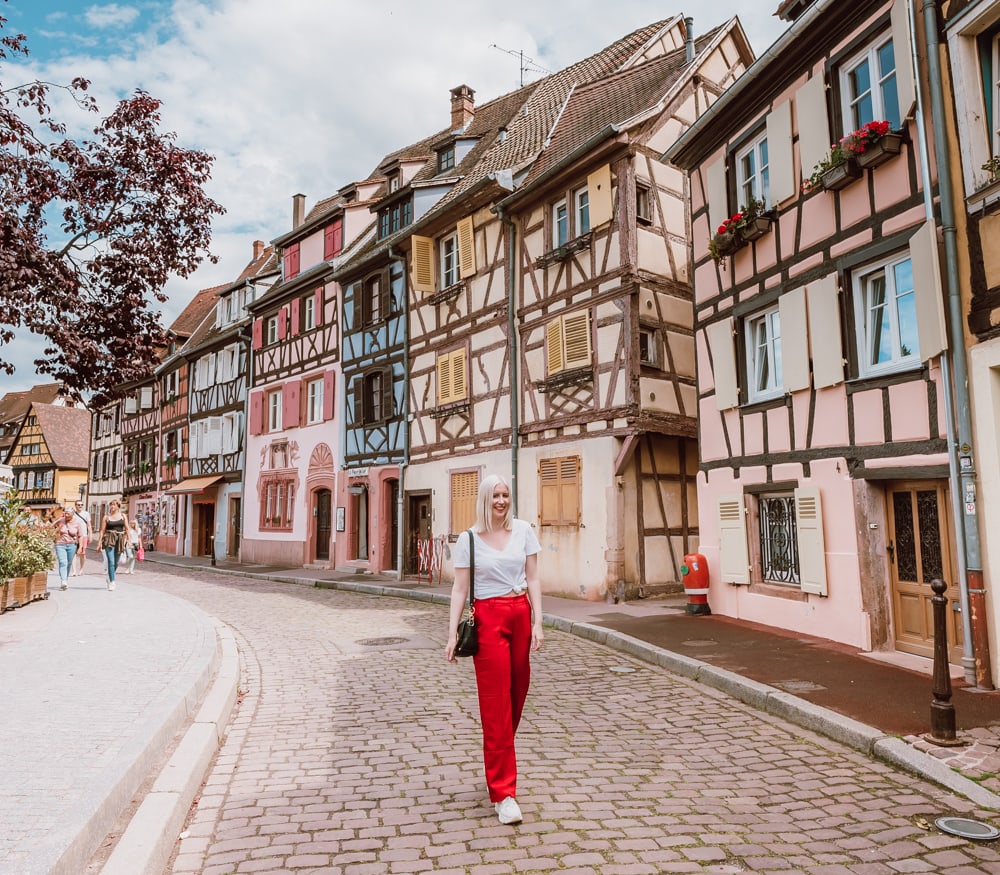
pixel 4 594
pixel 38 586
pixel 724 245
pixel 755 228
pixel 18 595
pixel 840 176
pixel 881 151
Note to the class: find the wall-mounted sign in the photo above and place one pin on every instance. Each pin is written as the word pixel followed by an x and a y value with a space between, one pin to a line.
pixel 357 472
pixel 341 519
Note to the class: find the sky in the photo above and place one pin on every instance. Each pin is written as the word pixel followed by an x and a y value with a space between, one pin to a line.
pixel 306 96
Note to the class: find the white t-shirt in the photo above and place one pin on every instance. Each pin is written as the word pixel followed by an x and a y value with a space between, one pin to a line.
pixel 82 519
pixel 499 572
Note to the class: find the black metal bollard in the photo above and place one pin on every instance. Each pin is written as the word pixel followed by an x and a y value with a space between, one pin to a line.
pixel 942 710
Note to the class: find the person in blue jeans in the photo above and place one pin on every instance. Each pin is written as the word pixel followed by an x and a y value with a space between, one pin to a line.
pixel 113 539
pixel 67 538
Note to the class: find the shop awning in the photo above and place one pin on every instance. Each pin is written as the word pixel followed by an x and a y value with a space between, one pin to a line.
pixel 193 485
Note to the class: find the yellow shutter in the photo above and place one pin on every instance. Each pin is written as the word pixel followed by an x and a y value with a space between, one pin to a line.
pixel 569 490
pixel 548 478
pixel 554 347
pixel 466 248
pixel 576 339
pixel 423 264
pixel 444 378
pixel 464 489
pixel 599 192
pixel 559 491
pixel 459 390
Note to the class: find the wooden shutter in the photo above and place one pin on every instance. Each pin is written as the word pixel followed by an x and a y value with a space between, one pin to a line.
pixel 329 378
pixel 444 378
pixel 781 166
pixel 466 248
pixel 927 291
pixel 905 87
pixel 359 400
pixel 423 264
pixel 131 404
pixel 812 547
pixel 213 438
pixel 258 333
pixel 146 397
pixel 794 340
pixel 723 349
pixel 718 198
pixel 282 323
pixel 290 400
pixel 599 193
pixel 256 413
pixel 576 339
pixel 385 296
pixel 388 402
pixel 554 347
pixel 318 306
pixel 333 240
pixel 813 124
pixel 548 491
pixel 569 490
pixel 559 491
pixel 291 261
pixel 295 324
pixel 734 561
pixel 464 491
pixel 459 387
pixel 824 332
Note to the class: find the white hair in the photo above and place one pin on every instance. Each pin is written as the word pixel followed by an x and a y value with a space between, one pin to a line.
pixel 484 504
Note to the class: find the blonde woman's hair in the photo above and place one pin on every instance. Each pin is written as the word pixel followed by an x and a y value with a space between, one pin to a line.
pixel 484 504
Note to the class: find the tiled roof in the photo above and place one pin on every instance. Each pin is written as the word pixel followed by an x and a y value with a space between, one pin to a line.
pixel 196 310
pixel 14 405
pixel 67 434
pixel 612 100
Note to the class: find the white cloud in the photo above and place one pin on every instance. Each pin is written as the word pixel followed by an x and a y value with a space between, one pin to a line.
pixel 111 15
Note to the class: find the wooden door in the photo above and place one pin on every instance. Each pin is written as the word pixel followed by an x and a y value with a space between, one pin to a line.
pixel 920 549
pixel 323 524
pixel 418 526
pixel 235 518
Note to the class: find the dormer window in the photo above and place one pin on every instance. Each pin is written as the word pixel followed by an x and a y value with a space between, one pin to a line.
pixel 392 219
pixel 446 158
pixel 393 183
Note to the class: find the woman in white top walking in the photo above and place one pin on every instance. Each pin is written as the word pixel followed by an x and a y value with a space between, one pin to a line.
pixel 508 605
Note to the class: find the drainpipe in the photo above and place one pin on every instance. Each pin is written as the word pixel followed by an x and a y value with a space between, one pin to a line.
pixel 400 503
pixel 515 411
pixel 973 581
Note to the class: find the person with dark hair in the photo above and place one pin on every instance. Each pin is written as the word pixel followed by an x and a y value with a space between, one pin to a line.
pixel 507 599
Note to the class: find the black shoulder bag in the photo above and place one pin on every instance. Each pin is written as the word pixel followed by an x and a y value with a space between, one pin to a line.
pixel 468 638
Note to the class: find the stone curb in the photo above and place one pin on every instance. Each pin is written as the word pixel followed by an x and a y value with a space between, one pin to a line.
pixel 147 842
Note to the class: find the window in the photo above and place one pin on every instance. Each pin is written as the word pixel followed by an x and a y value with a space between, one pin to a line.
pixel 314 401
pixel 308 312
pixel 277 503
pixel 372 397
pixel 451 377
pixel 779 540
pixel 649 347
pixel 886 305
pixel 274 410
pixel 228 363
pixel 446 159
pixel 272 330
pixel 232 431
pixel 752 173
pixel 559 491
pixel 394 183
pixel 868 87
pixel 372 301
pixel 373 400
pixel 448 266
pixel 567 342
pixel 464 491
pixel 643 206
pixel 763 340
pixel 560 224
pixel 581 211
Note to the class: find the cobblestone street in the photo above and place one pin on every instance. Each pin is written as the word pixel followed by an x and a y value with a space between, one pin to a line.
pixel 355 749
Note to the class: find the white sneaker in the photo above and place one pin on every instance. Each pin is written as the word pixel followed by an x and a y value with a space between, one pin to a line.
pixel 508 811
pixel 111 585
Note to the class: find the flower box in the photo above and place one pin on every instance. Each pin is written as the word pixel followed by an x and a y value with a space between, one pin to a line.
pixel 18 595
pixel 840 175
pixel 880 151
pixel 726 244
pixel 5 586
pixel 38 586
pixel 754 228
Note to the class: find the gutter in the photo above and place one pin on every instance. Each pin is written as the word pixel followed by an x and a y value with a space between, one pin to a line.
pixel 515 410
pixel 405 414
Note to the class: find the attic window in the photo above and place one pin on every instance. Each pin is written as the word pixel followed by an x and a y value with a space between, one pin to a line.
pixel 446 158
pixel 394 183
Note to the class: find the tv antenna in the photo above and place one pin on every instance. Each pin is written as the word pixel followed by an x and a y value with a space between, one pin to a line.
pixel 528 65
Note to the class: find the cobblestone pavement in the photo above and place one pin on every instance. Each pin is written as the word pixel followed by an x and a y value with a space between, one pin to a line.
pixel 355 750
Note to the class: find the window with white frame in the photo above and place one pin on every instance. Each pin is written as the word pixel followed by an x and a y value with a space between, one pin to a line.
pixel 271 335
pixel 560 224
pixel 274 410
pixel 448 263
pixel 868 86
pixel 763 345
pixel 581 210
pixel 886 308
pixel 314 401
pixel 752 173
pixel 232 431
pixel 309 313
pixel 643 204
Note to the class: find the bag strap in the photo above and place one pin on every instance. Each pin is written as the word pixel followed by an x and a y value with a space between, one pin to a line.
pixel 472 570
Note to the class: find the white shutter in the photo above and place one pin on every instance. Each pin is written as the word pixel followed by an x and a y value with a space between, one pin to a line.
pixel 905 87
pixel 723 348
pixel 599 193
pixel 146 397
pixel 812 547
pixel 130 404
pixel 794 340
pixel 718 198
pixel 214 435
pixel 824 332
pixel 927 291
pixel 734 558
pixel 813 125
pixel 781 165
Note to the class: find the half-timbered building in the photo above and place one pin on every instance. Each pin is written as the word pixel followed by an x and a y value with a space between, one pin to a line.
pixel 207 457
pixel 824 495
pixel 106 454
pixel 293 438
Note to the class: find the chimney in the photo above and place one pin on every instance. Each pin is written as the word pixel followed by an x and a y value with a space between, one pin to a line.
pixel 463 107
pixel 689 39
pixel 298 210
pixel 258 249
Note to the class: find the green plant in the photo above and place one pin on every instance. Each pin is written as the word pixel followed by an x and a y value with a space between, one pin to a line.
pixel 722 243
pixel 25 541
pixel 850 146
pixel 993 168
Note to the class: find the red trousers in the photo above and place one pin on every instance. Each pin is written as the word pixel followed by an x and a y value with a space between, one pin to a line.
pixel 503 671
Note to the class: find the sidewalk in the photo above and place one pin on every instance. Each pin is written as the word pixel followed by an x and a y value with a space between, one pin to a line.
pixel 84 735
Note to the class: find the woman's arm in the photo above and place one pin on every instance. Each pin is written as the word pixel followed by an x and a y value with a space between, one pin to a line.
pixel 535 598
pixel 459 596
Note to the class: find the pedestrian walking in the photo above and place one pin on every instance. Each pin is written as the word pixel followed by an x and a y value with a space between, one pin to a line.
pixel 507 601
pixel 113 540
pixel 67 539
pixel 82 518
pixel 132 548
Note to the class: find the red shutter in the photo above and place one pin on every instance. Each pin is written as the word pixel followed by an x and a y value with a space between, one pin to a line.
pixel 291 267
pixel 333 240
pixel 258 333
pixel 328 381
pixel 256 413
pixel 318 307
pixel 282 323
pixel 293 328
pixel 290 400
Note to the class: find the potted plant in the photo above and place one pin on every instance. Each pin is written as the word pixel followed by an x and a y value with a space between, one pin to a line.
pixel 725 241
pixel 25 552
pixel 171 459
pixel 838 169
pixel 755 221
pixel 874 143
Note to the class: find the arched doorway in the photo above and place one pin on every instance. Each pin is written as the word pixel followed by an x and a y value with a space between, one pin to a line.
pixel 322 526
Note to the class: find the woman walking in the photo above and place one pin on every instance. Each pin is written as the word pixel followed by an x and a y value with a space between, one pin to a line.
pixel 113 540
pixel 132 549
pixel 68 535
pixel 508 612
